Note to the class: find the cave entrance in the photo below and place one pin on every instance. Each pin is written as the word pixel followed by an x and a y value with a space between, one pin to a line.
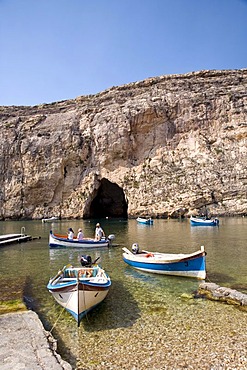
pixel 109 201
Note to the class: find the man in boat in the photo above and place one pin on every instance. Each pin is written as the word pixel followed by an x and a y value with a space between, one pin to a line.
pixel 135 248
pixel 99 232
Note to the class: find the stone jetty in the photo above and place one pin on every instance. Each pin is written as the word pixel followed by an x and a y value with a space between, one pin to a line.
pixel 214 292
pixel 24 344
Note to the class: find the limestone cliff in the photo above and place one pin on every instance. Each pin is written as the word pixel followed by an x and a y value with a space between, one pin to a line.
pixel 165 146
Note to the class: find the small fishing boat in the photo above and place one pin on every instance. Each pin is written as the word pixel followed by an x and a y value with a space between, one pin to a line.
pixel 146 221
pixel 188 265
pixel 80 289
pixel 62 241
pixel 204 221
pixel 50 219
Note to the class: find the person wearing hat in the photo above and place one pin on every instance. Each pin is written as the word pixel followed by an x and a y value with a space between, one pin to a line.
pixel 99 232
pixel 80 235
pixel 70 234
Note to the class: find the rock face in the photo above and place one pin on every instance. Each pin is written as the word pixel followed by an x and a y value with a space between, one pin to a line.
pixel 223 294
pixel 164 147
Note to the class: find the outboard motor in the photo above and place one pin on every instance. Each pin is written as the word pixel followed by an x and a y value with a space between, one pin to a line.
pixel 110 238
pixel 135 248
pixel 86 261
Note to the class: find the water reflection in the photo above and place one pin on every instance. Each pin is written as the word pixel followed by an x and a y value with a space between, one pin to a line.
pixel 135 296
pixel 119 310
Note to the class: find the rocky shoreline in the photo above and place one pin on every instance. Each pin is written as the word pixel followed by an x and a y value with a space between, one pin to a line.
pixel 214 292
pixel 174 342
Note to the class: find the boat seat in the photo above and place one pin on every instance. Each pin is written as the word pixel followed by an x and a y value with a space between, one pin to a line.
pixel 69 273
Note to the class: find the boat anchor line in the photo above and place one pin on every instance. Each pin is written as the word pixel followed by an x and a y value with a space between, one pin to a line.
pixel 62 311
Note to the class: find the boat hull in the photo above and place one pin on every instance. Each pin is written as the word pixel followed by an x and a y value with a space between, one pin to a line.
pixel 51 219
pixel 78 301
pixel 145 221
pixel 181 265
pixel 202 222
pixel 58 241
pixel 80 295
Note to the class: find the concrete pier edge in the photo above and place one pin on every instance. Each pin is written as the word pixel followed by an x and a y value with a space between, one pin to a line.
pixel 25 344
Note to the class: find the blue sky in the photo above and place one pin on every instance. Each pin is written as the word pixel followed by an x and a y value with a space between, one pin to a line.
pixel 54 50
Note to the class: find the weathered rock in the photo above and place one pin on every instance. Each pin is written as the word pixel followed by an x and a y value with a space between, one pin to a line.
pixel 216 293
pixel 165 146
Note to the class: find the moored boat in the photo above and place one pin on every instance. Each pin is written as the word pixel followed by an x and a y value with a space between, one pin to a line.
pixel 50 219
pixel 80 289
pixel 146 221
pixel 62 241
pixel 187 265
pixel 204 221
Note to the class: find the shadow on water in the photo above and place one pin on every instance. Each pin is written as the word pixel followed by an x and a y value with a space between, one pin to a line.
pixel 240 287
pixel 118 310
pixel 28 295
pixel 36 306
pixel 228 281
pixel 220 278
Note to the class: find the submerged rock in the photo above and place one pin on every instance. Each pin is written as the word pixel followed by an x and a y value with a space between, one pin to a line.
pixel 216 293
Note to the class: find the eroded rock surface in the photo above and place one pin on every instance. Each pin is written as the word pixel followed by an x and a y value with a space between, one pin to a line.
pixel 165 146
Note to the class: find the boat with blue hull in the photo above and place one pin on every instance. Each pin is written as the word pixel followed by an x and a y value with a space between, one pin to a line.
pixel 79 289
pixel 145 221
pixel 62 241
pixel 204 221
pixel 187 265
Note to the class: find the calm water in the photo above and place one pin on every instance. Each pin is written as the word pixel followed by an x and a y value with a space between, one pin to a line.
pixel 26 268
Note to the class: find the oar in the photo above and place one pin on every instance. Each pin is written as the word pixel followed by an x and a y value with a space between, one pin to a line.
pixel 60 272
pixel 93 263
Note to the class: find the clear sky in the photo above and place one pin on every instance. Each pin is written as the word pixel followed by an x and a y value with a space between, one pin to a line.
pixel 52 50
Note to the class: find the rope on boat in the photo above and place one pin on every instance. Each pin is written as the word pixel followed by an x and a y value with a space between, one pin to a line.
pixel 64 308
pixel 57 320
pixel 84 299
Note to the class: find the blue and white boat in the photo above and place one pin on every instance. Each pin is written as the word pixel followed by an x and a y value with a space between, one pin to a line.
pixel 187 265
pixel 145 221
pixel 62 241
pixel 79 289
pixel 204 221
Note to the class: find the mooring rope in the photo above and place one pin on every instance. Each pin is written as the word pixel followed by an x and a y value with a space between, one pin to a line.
pixel 64 308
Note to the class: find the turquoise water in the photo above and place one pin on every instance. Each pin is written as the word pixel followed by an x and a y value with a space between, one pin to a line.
pixel 26 268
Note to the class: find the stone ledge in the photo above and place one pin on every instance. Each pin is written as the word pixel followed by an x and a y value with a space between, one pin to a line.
pixel 214 292
pixel 25 344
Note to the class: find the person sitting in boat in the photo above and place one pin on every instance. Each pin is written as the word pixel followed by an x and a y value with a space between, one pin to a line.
pixel 70 234
pixel 80 235
pixel 99 232
pixel 135 248
pixel 86 261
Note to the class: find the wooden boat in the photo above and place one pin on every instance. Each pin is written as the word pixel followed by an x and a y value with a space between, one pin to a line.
pixel 50 219
pixel 62 241
pixel 79 289
pixel 188 265
pixel 146 221
pixel 204 221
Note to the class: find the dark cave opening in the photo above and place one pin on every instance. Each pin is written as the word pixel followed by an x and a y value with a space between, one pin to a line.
pixel 109 201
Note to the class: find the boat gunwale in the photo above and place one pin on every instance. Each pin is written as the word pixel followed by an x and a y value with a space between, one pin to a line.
pixel 153 259
pixel 84 240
